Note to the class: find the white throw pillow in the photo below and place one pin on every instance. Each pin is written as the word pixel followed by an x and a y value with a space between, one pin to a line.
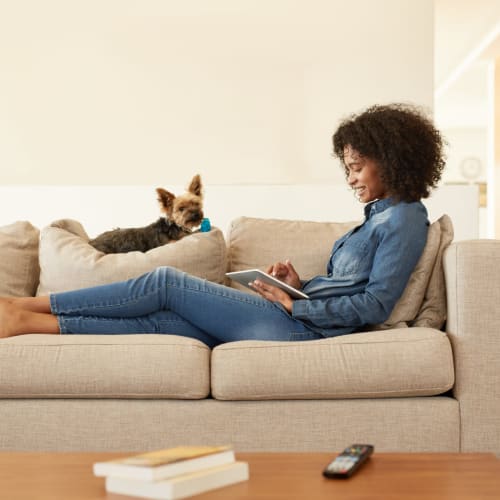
pixel 68 262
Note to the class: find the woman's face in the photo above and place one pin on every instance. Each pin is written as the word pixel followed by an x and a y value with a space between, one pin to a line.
pixel 364 176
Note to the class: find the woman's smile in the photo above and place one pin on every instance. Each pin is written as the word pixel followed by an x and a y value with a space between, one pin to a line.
pixel 363 176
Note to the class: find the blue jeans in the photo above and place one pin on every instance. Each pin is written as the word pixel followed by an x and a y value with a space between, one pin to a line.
pixel 169 301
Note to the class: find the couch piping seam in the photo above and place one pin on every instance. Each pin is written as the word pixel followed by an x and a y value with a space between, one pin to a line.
pixel 441 338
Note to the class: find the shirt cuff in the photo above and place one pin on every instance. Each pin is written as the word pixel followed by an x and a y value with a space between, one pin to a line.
pixel 299 308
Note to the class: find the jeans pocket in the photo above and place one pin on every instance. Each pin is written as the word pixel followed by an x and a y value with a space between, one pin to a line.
pixel 299 336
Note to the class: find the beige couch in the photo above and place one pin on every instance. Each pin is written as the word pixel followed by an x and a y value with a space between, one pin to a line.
pixel 407 385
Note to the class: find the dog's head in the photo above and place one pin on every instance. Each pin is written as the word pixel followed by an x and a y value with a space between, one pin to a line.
pixel 185 210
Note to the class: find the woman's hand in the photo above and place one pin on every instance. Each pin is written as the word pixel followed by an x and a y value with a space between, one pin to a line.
pixel 285 272
pixel 273 293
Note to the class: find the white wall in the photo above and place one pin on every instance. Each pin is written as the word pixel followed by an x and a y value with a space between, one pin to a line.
pixel 108 92
pixel 463 113
pixel 466 143
pixel 100 208
pixel 461 27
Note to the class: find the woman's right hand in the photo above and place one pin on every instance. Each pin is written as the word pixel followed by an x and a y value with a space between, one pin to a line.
pixel 285 272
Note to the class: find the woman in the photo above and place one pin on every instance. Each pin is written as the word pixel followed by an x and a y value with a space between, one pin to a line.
pixel 392 156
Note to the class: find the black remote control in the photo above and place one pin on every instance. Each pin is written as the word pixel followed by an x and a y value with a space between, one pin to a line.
pixel 349 461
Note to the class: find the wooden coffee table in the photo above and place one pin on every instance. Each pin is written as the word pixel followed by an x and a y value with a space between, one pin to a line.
pixel 286 476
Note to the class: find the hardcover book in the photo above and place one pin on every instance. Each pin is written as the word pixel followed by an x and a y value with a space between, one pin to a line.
pixel 166 463
pixel 181 486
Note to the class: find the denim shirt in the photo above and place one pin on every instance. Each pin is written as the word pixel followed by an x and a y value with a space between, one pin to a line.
pixel 368 270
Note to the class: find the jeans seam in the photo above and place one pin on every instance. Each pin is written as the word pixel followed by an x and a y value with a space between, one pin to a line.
pixel 53 303
pixel 128 301
pixel 62 325
pixel 263 305
pixel 104 319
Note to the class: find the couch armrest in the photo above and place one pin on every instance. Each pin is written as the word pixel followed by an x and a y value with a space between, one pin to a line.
pixel 472 273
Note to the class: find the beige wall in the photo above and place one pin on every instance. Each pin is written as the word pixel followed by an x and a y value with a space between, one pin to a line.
pixel 149 92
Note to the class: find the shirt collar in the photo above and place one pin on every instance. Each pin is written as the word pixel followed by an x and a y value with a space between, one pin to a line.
pixel 378 206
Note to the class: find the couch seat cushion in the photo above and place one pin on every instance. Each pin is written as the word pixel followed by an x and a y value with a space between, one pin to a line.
pixel 391 363
pixel 104 366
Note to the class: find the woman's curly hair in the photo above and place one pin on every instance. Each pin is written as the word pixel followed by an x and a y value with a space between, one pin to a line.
pixel 404 143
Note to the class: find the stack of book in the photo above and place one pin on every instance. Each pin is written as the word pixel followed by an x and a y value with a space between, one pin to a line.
pixel 173 473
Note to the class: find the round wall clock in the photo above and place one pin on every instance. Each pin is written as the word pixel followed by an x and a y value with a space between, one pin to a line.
pixel 470 168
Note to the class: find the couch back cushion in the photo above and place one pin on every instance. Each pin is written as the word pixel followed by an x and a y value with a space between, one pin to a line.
pixel 19 270
pixel 259 242
pixel 68 262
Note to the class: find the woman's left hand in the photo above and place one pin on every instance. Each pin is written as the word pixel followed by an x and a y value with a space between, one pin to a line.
pixel 273 293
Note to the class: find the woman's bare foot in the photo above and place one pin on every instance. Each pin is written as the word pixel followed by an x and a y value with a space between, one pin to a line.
pixel 17 321
pixel 9 318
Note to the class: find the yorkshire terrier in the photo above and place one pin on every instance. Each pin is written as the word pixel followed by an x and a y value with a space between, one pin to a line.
pixel 182 214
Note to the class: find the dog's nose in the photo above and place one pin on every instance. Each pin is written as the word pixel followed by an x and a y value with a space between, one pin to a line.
pixel 196 215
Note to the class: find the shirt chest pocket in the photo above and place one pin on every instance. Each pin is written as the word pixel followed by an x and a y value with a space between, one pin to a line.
pixel 352 258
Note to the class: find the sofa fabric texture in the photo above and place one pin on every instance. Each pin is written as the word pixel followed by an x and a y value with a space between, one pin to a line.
pixel 389 386
pixel 257 243
pixel 400 362
pixel 420 424
pixel 68 262
pixel 472 270
pixel 97 366
pixel 395 363
pixel 432 312
pixel 19 269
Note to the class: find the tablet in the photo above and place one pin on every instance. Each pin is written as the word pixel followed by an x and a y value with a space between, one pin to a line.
pixel 249 275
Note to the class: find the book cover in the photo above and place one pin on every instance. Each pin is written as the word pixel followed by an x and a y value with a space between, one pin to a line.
pixel 181 486
pixel 169 462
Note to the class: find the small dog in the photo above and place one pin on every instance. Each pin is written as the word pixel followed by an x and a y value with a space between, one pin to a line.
pixel 182 214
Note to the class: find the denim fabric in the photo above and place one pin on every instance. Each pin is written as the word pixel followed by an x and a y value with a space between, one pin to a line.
pixel 169 301
pixel 368 270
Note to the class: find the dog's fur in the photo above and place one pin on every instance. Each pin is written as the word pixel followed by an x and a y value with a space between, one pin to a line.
pixel 182 214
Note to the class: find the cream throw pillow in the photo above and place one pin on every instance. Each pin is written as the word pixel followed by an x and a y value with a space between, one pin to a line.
pixel 68 262
pixel 432 312
pixel 19 270
pixel 423 302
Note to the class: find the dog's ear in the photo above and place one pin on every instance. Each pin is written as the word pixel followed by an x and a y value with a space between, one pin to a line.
pixel 166 199
pixel 195 187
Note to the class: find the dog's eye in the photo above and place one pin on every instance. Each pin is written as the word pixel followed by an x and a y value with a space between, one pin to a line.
pixel 181 209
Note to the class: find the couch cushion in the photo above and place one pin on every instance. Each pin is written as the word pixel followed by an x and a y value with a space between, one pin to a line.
pixel 382 364
pixel 423 302
pixel 255 242
pixel 109 366
pixel 19 270
pixel 68 262
pixel 432 311
pixel 308 245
